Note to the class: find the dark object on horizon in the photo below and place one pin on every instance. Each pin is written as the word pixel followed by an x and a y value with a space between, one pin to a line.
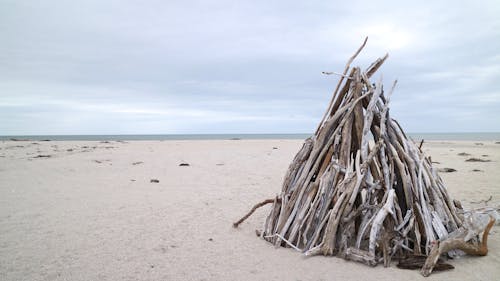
pixel 477 160
pixel 477 170
pixel 463 154
pixel 274 147
pixel 137 163
pixel 154 181
pixel 14 139
pixel 478 143
pixel 235 139
pixel 184 164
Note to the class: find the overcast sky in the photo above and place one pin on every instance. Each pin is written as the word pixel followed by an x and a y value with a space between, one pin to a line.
pixel 165 67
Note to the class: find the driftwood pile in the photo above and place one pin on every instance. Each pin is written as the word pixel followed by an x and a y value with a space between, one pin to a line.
pixel 360 189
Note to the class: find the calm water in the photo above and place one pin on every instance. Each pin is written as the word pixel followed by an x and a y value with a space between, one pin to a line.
pixel 158 137
pixel 415 136
pixel 457 136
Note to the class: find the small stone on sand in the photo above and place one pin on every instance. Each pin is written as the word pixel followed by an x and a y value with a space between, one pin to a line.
pixel 446 170
pixel 42 156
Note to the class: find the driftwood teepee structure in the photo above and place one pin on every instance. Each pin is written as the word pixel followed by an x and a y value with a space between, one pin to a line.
pixel 360 189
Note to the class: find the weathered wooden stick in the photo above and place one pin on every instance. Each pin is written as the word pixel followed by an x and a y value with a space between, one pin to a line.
pixel 361 256
pixel 340 82
pixel 417 261
pixel 379 219
pixel 284 240
pixel 258 205
pixel 336 73
pixel 375 66
pixel 447 245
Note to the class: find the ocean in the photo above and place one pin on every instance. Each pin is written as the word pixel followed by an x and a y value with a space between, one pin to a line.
pixel 489 136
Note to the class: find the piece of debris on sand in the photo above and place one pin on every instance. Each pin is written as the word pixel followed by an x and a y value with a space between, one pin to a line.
pixel 483 201
pixel 184 164
pixel 417 261
pixel 42 156
pixel 446 170
pixel 477 160
pixel 154 181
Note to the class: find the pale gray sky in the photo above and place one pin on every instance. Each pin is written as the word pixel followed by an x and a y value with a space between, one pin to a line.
pixel 164 67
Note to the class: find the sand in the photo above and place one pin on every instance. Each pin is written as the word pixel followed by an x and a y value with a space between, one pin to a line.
pixel 91 212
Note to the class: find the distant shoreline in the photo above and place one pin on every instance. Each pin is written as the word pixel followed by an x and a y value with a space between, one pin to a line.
pixel 416 136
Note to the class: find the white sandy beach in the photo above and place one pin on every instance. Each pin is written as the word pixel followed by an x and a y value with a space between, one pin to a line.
pixel 90 212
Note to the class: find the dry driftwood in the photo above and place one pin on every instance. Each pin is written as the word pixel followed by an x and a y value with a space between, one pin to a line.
pixel 258 205
pixel 416 262
pixel 359 188
pixel 460 242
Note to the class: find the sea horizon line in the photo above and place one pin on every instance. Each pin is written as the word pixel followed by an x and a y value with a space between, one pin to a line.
pixel 471 136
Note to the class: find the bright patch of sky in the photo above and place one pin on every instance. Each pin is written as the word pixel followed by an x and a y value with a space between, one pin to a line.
pixel 167 67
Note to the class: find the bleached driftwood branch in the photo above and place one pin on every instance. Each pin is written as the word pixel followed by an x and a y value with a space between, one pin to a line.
pixel 359 188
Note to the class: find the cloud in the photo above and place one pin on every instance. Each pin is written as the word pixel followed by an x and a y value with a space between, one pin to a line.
pixel 219 67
